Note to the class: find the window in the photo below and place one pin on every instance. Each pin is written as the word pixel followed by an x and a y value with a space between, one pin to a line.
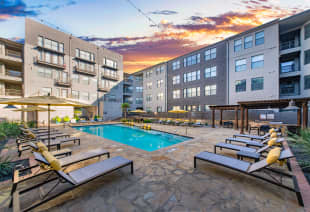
pixel 207 107
pixel 159 109
pixel 85 80
pixel 210 54
pixel 40 41
pixel 176 94
pixel 160 69
pixel 57 92
pixel 149 85
pixel 210 90
pixel 191 76
pixel 55 58
pixel 210 72
pixel 109 62
pixel 307 31
pixel 139 100
pixel 307 82
pixel 159 83
pixel 192 60
pixel 307 57
pixel 77 53
pixel 176 108
pixel 45 72
pixel 47 57
pixel 238 45
pixel 176 79
pixel 47 43
pixel 240 65
pixel 139 89
pixel 160 96
pixel 61 47
pixel 191 92
pixel 64 93
pixel 240 85
pixel 46 91
pixel 257 61
pixel 61 60
pixel 176 65
pixel 149 98
pixel 86 66
pixel 148 74
pixel 248 42
pixel 257 83
pixel 259 38
pixel 75 94
pixel 54 45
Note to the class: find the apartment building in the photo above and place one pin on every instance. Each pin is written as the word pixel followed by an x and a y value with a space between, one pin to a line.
pixel 198 79
pixel 155 88
pixel 269 62
pixel 133 90
pixel 254 64
pixel 11 74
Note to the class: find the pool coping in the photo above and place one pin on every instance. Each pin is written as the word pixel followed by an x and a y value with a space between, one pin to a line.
pixel 161 149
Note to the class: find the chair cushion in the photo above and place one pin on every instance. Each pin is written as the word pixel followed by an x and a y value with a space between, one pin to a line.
pixel 273 155
pixel 271 130
pixel 41 147
pixel 272 141
pixel 273 135
pixel 54 163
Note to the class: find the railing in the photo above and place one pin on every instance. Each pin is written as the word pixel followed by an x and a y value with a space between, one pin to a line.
pixel 85 71
pixel 139 102
pixel 289 45
pixel 128 101
pixel 63 82
pixel 13 92
pixel 289 91
pixel 128 91
pixel 43 62
pixel 288 68
pixel 110 76
pixel 12 53
pixel 13 73
pixel 86 60
pixel 128 81
pixel 103 88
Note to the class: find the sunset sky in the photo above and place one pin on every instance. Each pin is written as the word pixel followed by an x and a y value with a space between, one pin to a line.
pixel 152 32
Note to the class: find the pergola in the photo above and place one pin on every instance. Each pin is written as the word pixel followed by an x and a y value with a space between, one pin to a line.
pixel 301 103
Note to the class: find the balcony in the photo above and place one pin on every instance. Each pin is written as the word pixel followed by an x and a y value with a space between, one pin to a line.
pixel 11 92
pixel 110 76
pixel 127 92
pixel 289 45
pixel 42 62
pixel 11 56
pixel 11 76
pixel 51 50
pixel 63 82
pixel 103 88
pixel 85 71
pixel 85 60
pixel 128 81
pixel 289 87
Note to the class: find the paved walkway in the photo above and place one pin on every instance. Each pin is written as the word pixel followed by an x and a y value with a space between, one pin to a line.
pixel 165 180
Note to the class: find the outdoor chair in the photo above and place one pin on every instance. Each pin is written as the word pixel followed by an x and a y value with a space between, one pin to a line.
pixel 197 124
pixel 271 175
pixel 264 129
pixel 251 142
pixel 67 181
pixel 64 162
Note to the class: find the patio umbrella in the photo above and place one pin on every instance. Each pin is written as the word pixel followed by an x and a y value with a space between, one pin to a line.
pixel 178 111
pixel 33 109
pixel 137 111
pixel 46 101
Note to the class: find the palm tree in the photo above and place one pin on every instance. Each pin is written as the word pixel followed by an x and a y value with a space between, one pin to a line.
pixel 125 107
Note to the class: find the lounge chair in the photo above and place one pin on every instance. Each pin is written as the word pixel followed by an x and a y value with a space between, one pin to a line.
pixel 251 142
pixel 197 124
pixel 72 179
pixel 256 137
pixel 252 169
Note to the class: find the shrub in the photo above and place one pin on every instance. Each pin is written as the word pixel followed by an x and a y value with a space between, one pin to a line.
pixel 147 121
pixel 56 119
pixel 124 120
pixel 9 129
pixel 66 119
pixel 6 167
pixel 31 124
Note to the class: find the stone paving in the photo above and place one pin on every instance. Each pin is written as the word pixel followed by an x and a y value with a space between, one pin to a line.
pixel 165 180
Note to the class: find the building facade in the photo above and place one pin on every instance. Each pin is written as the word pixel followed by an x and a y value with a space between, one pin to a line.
pixel 69 67
pixel 133 90
pixel 155 88
pixel 198 79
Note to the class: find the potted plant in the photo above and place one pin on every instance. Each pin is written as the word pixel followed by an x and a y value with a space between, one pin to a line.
pixel 66 119
pixel 125 107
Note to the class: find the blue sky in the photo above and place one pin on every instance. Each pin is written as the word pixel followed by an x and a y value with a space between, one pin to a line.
pixel 183 25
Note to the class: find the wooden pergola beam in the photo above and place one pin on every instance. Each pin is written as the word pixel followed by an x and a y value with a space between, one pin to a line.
pixel 236 118
pixel 304 115
pixel 242 121
pixel 213 118
pixel 246 119
pixel 221 117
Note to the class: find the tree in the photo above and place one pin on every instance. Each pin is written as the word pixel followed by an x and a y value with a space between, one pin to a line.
pixel 125 107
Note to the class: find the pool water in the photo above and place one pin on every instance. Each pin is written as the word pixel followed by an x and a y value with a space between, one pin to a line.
pixel 148 140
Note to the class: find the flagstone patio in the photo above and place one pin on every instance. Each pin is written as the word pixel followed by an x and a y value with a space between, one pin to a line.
pixel 165 180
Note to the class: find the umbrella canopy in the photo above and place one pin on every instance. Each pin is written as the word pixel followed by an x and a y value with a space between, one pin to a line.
pixel 44 100
pixel 33 109
pixel 137 111
pixel 177 111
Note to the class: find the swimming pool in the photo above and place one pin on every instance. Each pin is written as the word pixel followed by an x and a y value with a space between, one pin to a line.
pixel 148 140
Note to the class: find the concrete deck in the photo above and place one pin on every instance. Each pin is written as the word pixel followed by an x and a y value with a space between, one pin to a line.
pixel 165 180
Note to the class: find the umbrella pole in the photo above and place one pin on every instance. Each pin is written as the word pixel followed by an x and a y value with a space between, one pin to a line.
pixel 37 117
pixel 49 127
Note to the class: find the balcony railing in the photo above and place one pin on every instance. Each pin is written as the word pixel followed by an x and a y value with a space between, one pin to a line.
pixel 42 62
pixel 289 45
pixel 51 50
pixel 13 73
pixel 288 69
pixel 110 76
pixel 13 53
pixel 10 92
pixel 85 71
pixel 86 60
pixel 103 88
pixel 289 91
pixel 63 82
pixel 128 81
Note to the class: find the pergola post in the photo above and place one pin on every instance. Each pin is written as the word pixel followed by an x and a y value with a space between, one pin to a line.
pixel 221 117
pixel 299 117
pixel 236 118
pixel 304 115
pixel 242 120
pixel 213 118
pixel 246 119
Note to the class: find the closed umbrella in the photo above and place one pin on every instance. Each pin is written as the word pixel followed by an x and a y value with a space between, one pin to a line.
pixel 45 101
